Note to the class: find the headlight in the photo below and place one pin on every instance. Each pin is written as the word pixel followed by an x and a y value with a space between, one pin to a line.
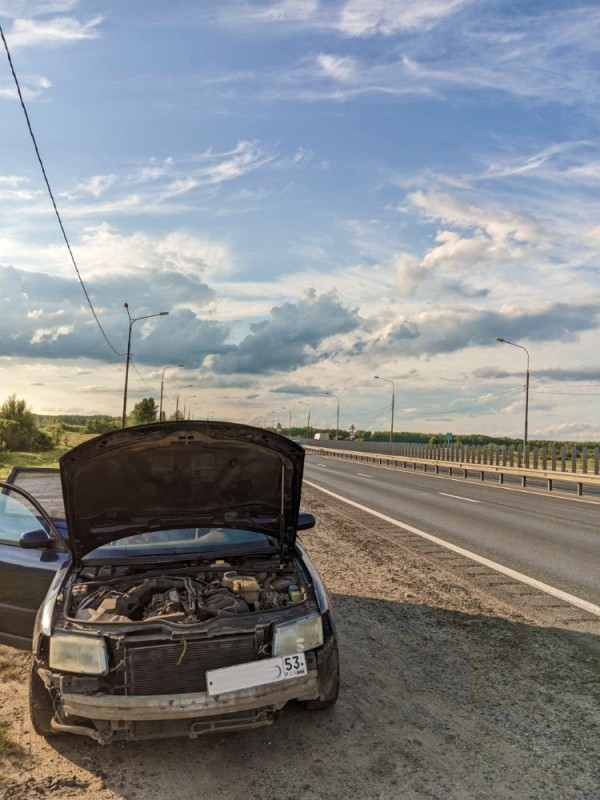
pixel 82 654
pixel 297 637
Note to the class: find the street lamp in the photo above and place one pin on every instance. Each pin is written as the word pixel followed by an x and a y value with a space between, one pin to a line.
pixel 387 380
pixel 162 385
pixel 304 403
pixel 285 408
pixel 520 346
pixel 185 399
pixel 128 355
pixel 192 405
pixel 337 417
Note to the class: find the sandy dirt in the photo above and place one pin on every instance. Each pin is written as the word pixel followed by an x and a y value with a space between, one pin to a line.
pixel 446 693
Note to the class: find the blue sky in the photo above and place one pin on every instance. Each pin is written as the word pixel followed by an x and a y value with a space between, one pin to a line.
pixel 318 192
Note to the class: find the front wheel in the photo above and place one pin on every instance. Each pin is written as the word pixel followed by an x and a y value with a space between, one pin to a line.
pixel 329 679
pixel 41 708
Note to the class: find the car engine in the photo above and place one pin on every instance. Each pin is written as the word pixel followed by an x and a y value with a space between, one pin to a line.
pixel 183 598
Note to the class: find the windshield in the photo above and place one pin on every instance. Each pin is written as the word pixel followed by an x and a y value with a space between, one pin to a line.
pixel 185 540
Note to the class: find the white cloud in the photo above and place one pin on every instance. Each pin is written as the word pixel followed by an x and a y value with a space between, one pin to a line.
pixel 372 17
pixel 31 88
pixel 247 157
pixel 39 313
pixel 12 180
pixel 500 224
pixel 51 334
pixel 34 8
pixel 178 187
pixel 338 68
pixel 97 184
pixel 51 33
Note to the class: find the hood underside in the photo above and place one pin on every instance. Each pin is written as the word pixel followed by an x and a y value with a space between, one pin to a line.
pixel 181 474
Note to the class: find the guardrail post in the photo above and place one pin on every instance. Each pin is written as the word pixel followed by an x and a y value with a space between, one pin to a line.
pixel 579 489
pixel 523 481
pixel 500 477
pixel 549 484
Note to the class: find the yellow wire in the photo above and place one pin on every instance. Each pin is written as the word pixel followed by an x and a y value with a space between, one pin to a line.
pixel 180 659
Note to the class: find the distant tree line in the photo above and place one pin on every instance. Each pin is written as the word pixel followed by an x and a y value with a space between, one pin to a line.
pixel 22 430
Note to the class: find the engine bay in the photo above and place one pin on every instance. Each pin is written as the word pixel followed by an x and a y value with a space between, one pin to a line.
pixel 188 598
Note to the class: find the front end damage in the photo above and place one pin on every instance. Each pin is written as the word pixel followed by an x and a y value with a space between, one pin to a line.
pixel 131 656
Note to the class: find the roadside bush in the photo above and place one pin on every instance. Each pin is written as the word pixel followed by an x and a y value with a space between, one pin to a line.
pixel 101 423
pixel 18 428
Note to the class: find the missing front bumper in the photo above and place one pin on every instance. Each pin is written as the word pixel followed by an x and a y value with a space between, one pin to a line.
pixel 195 705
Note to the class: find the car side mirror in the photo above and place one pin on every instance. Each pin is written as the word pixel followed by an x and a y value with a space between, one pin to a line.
pixel 35 540
pixel 306 520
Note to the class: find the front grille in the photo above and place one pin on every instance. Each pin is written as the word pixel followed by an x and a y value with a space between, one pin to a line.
pixel 178 668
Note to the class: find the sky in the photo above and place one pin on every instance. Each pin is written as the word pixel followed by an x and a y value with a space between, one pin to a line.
pixel 318 192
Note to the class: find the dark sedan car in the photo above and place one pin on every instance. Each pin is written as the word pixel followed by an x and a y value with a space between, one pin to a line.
pixel 170 596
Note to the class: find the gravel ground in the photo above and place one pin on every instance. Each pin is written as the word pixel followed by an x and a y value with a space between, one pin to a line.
pixel 446 693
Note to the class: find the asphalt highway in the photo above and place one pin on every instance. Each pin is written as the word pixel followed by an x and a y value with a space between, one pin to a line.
pixel 547 537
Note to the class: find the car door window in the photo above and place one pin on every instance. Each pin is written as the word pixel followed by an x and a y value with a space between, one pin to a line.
pixel 17 516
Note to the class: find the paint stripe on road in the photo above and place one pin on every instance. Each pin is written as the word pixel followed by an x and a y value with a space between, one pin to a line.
pixel 511 573
pixel 364 475
pixel 322 465
pixel 458 497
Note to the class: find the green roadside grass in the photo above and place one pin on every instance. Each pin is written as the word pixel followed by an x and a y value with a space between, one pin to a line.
pixel 49 458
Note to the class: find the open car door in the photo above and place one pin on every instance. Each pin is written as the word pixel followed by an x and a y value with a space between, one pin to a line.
pixel 31 551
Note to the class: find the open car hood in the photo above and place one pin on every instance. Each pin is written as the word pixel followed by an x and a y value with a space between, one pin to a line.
pixel 181 474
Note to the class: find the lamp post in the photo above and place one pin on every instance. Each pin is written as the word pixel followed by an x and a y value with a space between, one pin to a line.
pixel 304 403
pixel 285 408
pixel 192 405
pixel 185 399
pixel 162 386
pixel 520 346
pixel 387 380
pixel 337 416
pixel 128 355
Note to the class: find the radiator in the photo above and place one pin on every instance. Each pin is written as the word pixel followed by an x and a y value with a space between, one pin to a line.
pixel 177 668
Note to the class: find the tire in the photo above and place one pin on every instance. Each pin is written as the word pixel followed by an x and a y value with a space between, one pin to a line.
pixel 329 682
pixel 41 708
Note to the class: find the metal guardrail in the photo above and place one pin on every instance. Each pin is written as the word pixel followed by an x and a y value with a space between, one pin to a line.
pixel 550 476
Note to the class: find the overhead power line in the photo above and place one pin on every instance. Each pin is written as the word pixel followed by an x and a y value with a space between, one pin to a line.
pixel 58 217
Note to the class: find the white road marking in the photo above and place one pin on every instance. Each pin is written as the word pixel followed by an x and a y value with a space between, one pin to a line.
pixel 511 573
pixel 458 497
pixel 364 475
pixel 322 465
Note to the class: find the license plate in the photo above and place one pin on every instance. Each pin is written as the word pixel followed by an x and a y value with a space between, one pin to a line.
pixel 294 666
pixel 255 673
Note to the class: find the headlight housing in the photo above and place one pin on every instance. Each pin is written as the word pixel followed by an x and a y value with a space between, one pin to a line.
pixel 298 636
pixel 84 655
